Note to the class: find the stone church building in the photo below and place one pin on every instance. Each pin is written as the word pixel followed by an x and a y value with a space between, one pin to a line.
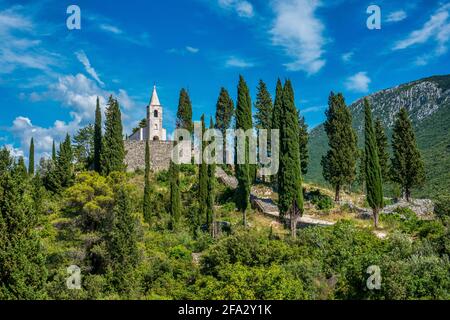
pixel 155 134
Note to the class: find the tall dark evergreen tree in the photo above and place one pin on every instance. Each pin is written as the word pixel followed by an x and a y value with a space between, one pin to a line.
pixel 64 163
pixel 407 165
pixel 23 273
pixel 303 143
pixel 210 215
pixel 382 145
pixel 113 149
pixel 31 158
pixel 184 113
pixel 339 164
pixel 122 244
pixel 53 151
pixel 224 114
pixel 243 171
pixel 276 119
pixel 374 183
pixel 264 107
pixel 147 187
pixel 98 138
pixel 264 110
pixel 290 184
pixel 202 183
pixel 175 196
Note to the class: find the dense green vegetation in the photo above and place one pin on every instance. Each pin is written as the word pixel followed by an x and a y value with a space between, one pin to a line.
pixel 98 225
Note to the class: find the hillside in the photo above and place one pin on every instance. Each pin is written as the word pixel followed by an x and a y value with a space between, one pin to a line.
pixel 428 103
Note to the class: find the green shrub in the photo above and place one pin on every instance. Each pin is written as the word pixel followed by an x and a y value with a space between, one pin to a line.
pixel 321 201
pixel 442 207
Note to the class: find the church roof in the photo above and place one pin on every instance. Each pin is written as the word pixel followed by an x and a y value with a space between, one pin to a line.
pixel 154 100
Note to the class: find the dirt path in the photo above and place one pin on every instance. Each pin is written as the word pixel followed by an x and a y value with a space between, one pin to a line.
pixel 266 205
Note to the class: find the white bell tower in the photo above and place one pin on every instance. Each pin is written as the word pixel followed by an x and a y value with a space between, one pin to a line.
pixel 155 119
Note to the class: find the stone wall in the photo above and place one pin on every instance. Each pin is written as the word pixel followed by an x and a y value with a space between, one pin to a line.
pixel 160 152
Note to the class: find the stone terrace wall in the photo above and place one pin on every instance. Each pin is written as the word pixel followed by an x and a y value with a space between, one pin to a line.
pixel 160 152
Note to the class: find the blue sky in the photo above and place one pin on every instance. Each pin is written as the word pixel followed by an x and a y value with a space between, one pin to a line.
pixel 50 76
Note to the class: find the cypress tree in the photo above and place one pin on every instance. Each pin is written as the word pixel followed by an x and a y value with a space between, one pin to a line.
pixel 382 145
pixel 407 165
pixel 264 107
pixel 303 144
pixel 64 163
pixel 184 113
pixel 53 152
pixel 264 110
pixel 276 119
pixel 122 243
pixel 210 216
pixel 98 138
pixel 339 164
pixel 147 187
pixel 374 184
pixel 202 183
pixel 224 114
pixel 290 191
pixel 113 150
pixel 31 158
pixel 243 171
pixel 23 273
pixel 175 197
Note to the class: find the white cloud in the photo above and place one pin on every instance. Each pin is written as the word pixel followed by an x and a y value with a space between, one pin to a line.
pixel 236 62
pixel 110 28
pixel 346 57
pixel 312 109
pixel 358 82
pixel 10 19
pixel 14 152
pixel 184 51
pixel 242 8
pixel 299 32
pixel 81 56
pixel 21 50
pixel 192 49
pixel 107 25
pixel 23 129
pixel 397 16
pixel 437 28
pixel 17 49
pixel 79 94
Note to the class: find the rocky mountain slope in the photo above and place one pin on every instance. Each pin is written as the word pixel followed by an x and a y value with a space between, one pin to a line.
pixel 428 103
